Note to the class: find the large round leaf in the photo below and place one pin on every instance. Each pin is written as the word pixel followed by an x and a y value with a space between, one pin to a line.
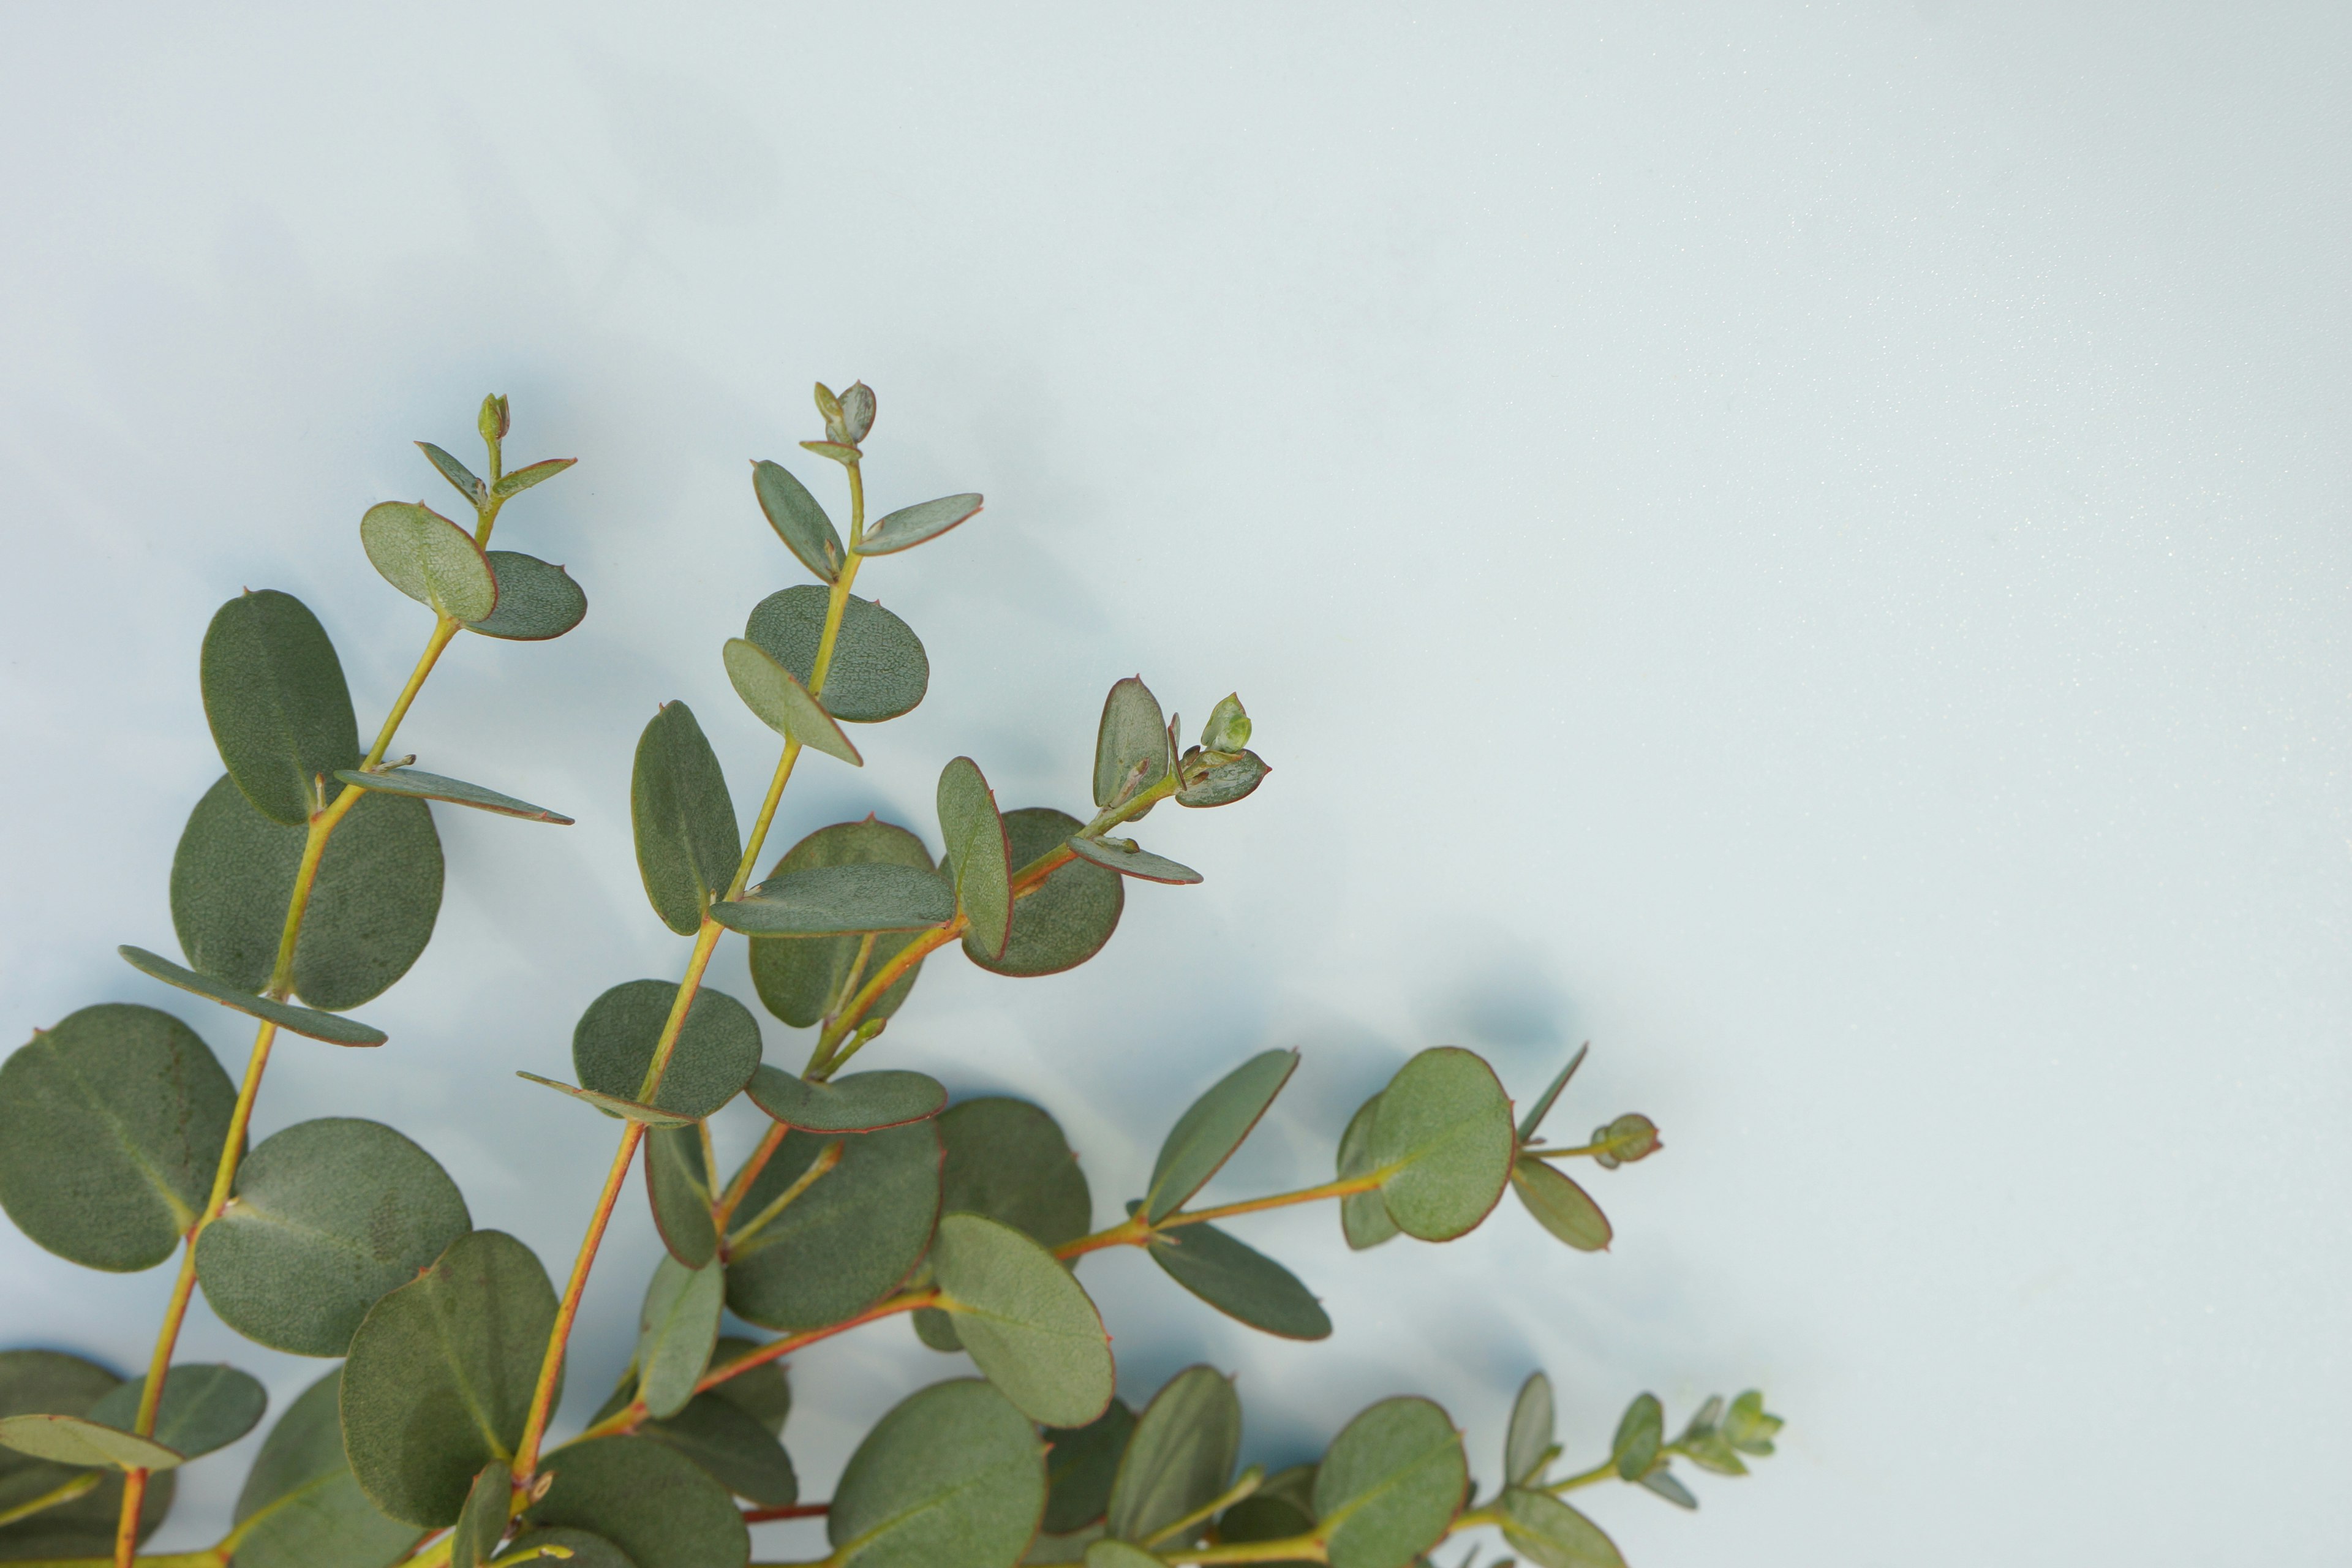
pixel 1443 1137
pixel 1240 1281
pixel 1082 1463
pixel 715 1051
pixel 954 1477
pixel 878 668
pixel 1008 1160
pixel 440 1376
pixel 798 977
pixel 111 1132
pixel 35 1383
pixel 537 600
pixel 682 817
pixel 275 697
pixel 678 1184
pixel 653 1502
pixel 431 560
pixel 327 1216
pixel 301 1507
pixel 1212 1128
pixel 730 1443
pixel 848 1239
pixel 1026 1321
pixel 1389 1485
pixel 1181 1456
pixel 1066 922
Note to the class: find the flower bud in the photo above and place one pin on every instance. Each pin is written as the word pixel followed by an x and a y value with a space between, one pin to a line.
pixel 493 421
pixel 1228 728
pixel 1630 1137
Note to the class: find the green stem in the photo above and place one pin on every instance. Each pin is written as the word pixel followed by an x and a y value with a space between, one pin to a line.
pixel 827 1159
pixel 87 1481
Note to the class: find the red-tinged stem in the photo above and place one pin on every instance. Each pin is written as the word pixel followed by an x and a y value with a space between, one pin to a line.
pixel 797 1510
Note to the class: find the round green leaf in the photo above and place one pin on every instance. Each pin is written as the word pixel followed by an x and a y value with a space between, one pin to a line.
pixel 684 821
pixel 1081 1462
pixel 482 1522
pixel 1214 1125
pixel 797 519
pixel 1560 1206
pixel 537 599
pixel 275 697
pixel 978 856
pixel 1389 1485
pixel 431 560
pixel 1443 1137
pixel 1026 1320
pixel 831 900
pixel 798 977
pixel 1640 1432
pixel 1181 1456
pixel 327 1217
pixel 439 1379
pixel 1240 1281
pixel 678 1184
pixel 205 1406
pixel 301 1507
pixel 781 702
pixel 676 1332
pixel 1363 1216
pixel 730 1443
pixel 911 525
pixel 1141 864
pixel 433 786
pixel 111 1132
pixel 878 669
pixel 650 1501
pixel 1066 920
pixel 952 1478
pixel 306 1021
pixel 847 1241
pixel 1528 1439
pixel 1550 1532
pixel 1132 742
pixel 1008 1160
pixel 36 1382
pixel 587 1550
pixel 859 1102
pixel 714 1057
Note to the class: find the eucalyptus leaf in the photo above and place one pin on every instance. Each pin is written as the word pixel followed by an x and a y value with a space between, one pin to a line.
pixel 433 786
pixel 1130 742
pixel 327 1216
pixel 1389 1485
pixel 1529 1438
pixel 845 1242
pixel 764 1393
pixel 1109 1553
pixel 430 559
pixel 797 519
pixel 656 1505
pixel 732 1446
pixel 33 1382
pixel 1240 1281
pixel 781 702
pixel 482 1522
pixel 585 1550
pixel 1640 1433
pixel 1133 862
pixel 1663 1482
pixel 538 600
pixel 1550 1532
pixel 833 900
pixel 1024 1319
pixel 1363 1216
pixel 1181 1456
pixel 1282 1509
pixel 84 1443
pixel 859 1102
pixel 1226 782
pixel 1066 920
pixel 1542 1107
pixel 678 1184
pixel 1008 1160
pixel 1214 1125
pixel 110 1131
pixel 1560 1206
pixel 978 857
pixel 205 1406
pixel 614 1105
pixel 512 485
pixel 461 477
pixel 835 450
pixel 439 1379
pixel 953 1477
pixel 1443 1137
pixel 684 821
pixel 613 1047
pixel 276 700
pixel 1081 1462
pixel 307 1021
pixel 878 669
pixel 1748 1427
pixel 301 1508
pixel 910 526
pixel 677 1331
pixel 798 977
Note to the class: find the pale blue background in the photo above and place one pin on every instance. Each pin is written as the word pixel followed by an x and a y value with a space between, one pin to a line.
pixel 1806 545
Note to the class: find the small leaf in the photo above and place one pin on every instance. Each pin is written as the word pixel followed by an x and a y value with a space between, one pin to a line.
pixel 1130 744
pixel 327 1216
pixel 430 559
pixel 979 856
pixel 1214 1125
pixel 1067 920
pixel 677 1331
pixel 110 1129
pixel 1542 1107
pixel 1629 1137
pixel 275 698
pixel 657 1506
pixel 1008 1160
pixel 1560 1206
pixel 79 1441
pixel 538 600
pixel 798 520
pixel 844 1243
pixel 910 526
pixel 860 1102
pixel 732 1445
pixel 1640 1433
pixel 439 1379
pixel 827 901
pixel 1181 1456
pixel 856 411
pixel 614 1105
pixel 433 786
pixel 781 703
pixel 482 1522
pixel 1133 862
pixel 1389 1485
pixel 512 485
pixel 1024 1319
pixel 35 1383
pixel 1240 1281
pixel 300 1507
pixel 1228 728
pixel 457 473
pixel 1445 1138
pixel 684 821
pixel 1748 1427
pixel 1224 782
pixel 798 977
pixel 952 1478
pixel 205 1406
pixel 1529 1439
pixel 878 669
pixel 846 455
pixel 1663 1482
pixel 307 1021
pixel 678 1184
pixel 1363 1216
pixel 1080 1465
pixel 613 1047
pixel 1553 1534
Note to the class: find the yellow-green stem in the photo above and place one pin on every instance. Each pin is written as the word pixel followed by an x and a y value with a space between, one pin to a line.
pixel 827 1159
pixel 87 1481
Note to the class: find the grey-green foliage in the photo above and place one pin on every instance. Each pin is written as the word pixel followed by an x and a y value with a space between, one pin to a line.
pixel 874 1193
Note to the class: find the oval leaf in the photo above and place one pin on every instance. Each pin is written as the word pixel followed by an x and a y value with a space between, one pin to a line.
pixel 613 1047
pixel 482 1522
pixel 783 703
pixel 954 1477
pixel 430 559
pixel 1363 1216
pixel 33 1382
pixel 1138 863
pixel 831 900
pixel 878 668
pixel 327 1216
pixel 861 1102
pixel 1548 1531
pixel 909 526
pixel 433 786
pixel 461 477
pixel 618 1107
pixel 306 1021
pixel 1529 1440
pixel 1560 1206
pixel 799 978
pixel 1080 1465
pixel 1226 782
pixel 110 1131
pixel 978 857
pixel 1024 1319
pixel 275 698
pixel 1008 1160
pixel 1181 1455
pixel 732 1447
pixel 676 1332
pixel 657 1506
pixel 1240 1281
pixel 687 843
pixel 1130 743
pixel 205 1406
pixel 83 1443
pixel 1640 1432
pixel 1066 920
pixel 678 1184
pixel 797 519
pixel 301 1507
pixel 1443 1138
pixel 522 478
pixel 1208 1132
pixel 538 600
pixel 847 1241
pixel 439 1379
pixel 1389 1485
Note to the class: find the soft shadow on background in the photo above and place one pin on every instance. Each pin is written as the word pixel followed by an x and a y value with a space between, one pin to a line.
pixel 1804 546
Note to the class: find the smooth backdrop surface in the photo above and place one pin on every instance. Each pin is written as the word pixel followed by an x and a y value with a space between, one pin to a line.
pixel 1805 545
